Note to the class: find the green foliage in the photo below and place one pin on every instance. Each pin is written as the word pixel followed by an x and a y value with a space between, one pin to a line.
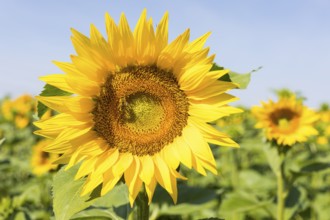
pixel 191 200
pixel 241 202
pixel 22 194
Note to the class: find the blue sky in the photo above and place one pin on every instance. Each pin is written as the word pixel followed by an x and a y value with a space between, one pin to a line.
pixel 289 39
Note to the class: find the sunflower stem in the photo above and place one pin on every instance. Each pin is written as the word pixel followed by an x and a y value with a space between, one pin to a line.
pixel 142 205
pixel 280 197
pixel 280 190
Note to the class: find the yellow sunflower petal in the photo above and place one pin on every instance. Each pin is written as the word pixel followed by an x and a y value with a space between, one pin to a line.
pixel 59 81
pixel 162 174
pixel 147 169
pixel 122 164
pixel 193 77
pixel 90 69
pixel 132 179
pixel 162 33
pixel 64 137
pixel 81 43
pixel 209 113
pixel 106 161
pixel 212 135
pixel 91 183
pixel 86 167
pixel 184 151
pixel 109 181
pixel 171 156
pixel 198 43
pixel 150 189
pixel 172 51
pixel 126 51
pixel 144 41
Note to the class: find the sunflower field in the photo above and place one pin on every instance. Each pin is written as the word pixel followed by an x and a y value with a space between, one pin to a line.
pixel 246 187
pixel 137 127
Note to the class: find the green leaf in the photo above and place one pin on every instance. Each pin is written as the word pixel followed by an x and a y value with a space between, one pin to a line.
pixel 274 160
pixel 295 201
pixel 258 183
pixel 315 167
pixel 69 204
pixel 190 200
pixel 308 169
pixel 242 80
pixel 21 216
pixel 212 219
pixel 49 90
pixel 114 204
pixel 66 193
pixel 216 67
pixel 118 196
pixel 93 217
pixel 321 205
pixel 240 202
pixel 103 213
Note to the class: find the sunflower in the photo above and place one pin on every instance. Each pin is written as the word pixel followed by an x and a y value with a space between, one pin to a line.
pixel 323 125
pixel 21 121
pixel 140 107
pixel 24 104
pixel 41 161
pixel 6 109
pixel 19 110
pixel 287 121
pixel 322 140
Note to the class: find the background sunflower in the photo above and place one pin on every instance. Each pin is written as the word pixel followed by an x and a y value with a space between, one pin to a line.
pixel 287 121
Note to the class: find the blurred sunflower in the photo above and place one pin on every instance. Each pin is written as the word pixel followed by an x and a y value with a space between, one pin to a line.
pixel 6 109
pixel 323 125
pixel 21 121
pixel 24 104
pixel 42 162
pixel 19 110
pixel 23 108
pixel 140 108
pixel 325 113
pixel 322 140
pixel 287 121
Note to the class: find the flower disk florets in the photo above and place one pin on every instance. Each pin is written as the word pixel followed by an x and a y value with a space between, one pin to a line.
pixel 140 110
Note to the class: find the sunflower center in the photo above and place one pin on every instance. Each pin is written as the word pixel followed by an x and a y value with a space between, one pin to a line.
pixel 283 118
pixel 44 157
pixel 140 110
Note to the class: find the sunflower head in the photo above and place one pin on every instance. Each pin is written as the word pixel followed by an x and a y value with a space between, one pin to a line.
pixel 24 104
pixel 6 109
pixel 21 121
pixel 287 121
pixel 19 110
pixel 42 162
pixel 141 107
pixel 322 140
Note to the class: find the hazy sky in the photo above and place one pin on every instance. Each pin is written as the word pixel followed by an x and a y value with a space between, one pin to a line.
pixel 290 39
